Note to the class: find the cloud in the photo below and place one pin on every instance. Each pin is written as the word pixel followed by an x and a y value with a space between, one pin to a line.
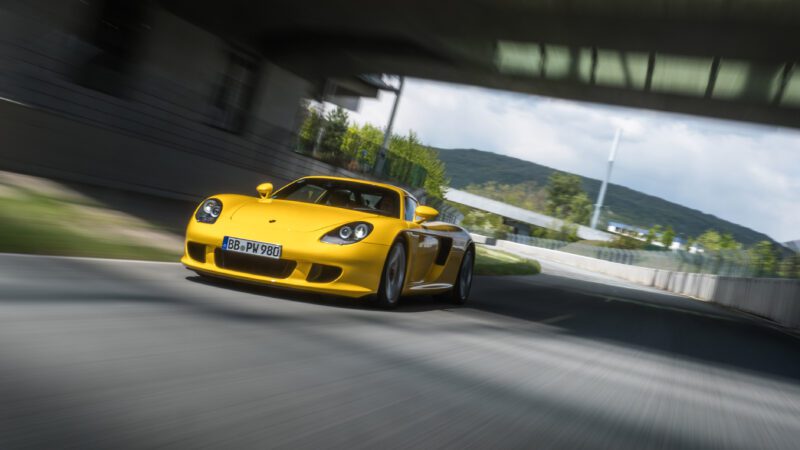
pixel 744 173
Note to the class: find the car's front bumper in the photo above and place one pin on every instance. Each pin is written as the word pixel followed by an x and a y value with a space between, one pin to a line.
pixel 361 264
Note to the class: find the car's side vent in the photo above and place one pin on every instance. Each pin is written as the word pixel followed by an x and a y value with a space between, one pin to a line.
pixel 196 251
pixel 445 244
pixel 321 273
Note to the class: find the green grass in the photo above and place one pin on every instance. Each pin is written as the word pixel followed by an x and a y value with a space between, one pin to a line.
pixel 489 261
pixel 34 223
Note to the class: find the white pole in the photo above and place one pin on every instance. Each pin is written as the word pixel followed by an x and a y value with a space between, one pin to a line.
pixel 381 159
pixel 602 194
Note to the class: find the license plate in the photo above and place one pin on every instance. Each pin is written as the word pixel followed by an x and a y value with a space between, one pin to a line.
pixel 233 244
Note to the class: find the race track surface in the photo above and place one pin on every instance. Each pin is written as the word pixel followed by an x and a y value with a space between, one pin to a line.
pixel 111 354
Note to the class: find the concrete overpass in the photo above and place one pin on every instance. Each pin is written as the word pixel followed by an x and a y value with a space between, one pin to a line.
pixel 520 214
pixel 181 89
pixel 734 59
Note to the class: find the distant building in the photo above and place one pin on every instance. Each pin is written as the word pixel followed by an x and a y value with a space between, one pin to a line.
pixel 641 234
pixel 696 248
pixel 677 244
pixel 627 230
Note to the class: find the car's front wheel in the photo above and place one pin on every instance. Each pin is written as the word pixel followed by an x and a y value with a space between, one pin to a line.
pixel 393 277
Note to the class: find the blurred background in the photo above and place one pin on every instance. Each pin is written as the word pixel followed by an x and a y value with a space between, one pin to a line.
pixel 659 285
pixel 143 108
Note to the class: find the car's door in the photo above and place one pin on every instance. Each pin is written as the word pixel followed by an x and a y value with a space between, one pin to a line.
pixel 424 246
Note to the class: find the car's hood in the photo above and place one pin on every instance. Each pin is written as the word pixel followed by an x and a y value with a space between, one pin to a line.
pixel 293 216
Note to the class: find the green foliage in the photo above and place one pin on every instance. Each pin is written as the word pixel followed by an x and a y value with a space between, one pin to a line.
pixel 410 148
pixel 527 195
pixel 356 148
pixel 40 223
pixel 580 208
pixel 566 198
pixel 765 259
pixel 626 243
pixel 652 233
pixel 714 241
pixel 310 128
pixel 490 261
pixel 790 266
pixel 363 143
pixel 334 130
pixel 668 237
pixel 625 205
pixel 484 222
pixel 568 232
pixel 562 190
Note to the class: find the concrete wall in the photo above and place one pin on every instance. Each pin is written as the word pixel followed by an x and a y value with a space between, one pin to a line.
pixel 278 95
pixel 157 139
pixel 772 298
pixel 174 49
pixel 641 275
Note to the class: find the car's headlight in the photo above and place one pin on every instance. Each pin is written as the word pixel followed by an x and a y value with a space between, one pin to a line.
pixel 209 211
pixel 348 234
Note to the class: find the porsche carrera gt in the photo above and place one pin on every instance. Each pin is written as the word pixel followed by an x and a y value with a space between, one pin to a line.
pixel 332 235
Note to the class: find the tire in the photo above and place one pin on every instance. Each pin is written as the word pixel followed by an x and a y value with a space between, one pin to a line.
pixel 392 278
pixel 460 292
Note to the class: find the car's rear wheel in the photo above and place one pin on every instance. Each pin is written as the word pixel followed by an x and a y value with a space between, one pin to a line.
pixel 393 277
pixel 460 292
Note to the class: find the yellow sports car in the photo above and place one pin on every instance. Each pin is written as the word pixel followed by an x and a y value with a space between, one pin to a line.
pixel 332 235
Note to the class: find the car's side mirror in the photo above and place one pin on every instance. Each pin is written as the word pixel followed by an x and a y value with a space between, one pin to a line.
pixel 264 191
pixel 425 213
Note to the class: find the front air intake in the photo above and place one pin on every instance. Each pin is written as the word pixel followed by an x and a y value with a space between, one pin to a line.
pixel 254 265
pixel 321 273
pixel 196 251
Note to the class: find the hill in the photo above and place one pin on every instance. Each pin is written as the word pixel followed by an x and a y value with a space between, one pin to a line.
pixel 469 166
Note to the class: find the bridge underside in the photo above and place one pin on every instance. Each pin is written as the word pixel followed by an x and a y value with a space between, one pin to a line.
pixel 733 60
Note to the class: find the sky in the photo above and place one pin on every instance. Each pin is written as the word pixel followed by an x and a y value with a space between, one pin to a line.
pixel 748 174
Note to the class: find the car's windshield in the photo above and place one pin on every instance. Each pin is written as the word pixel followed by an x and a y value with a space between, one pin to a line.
pixel 343 194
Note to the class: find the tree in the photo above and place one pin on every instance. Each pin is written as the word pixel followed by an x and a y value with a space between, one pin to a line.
pixel 356 148
pixel 668 237
pixel 566 232
pixel 727 242
pixel 653 233
pixel 334 130
pixel 566 199
pixel 713 241
pixel 527 195
pixel 580 209
pixel 362 143
pixel 626 243
pixel 765 258
pixel 484 222
pixel 790 266
pixel 411 149
pixel 309 129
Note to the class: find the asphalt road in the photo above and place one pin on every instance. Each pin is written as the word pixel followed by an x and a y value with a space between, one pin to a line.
pixel 109 354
